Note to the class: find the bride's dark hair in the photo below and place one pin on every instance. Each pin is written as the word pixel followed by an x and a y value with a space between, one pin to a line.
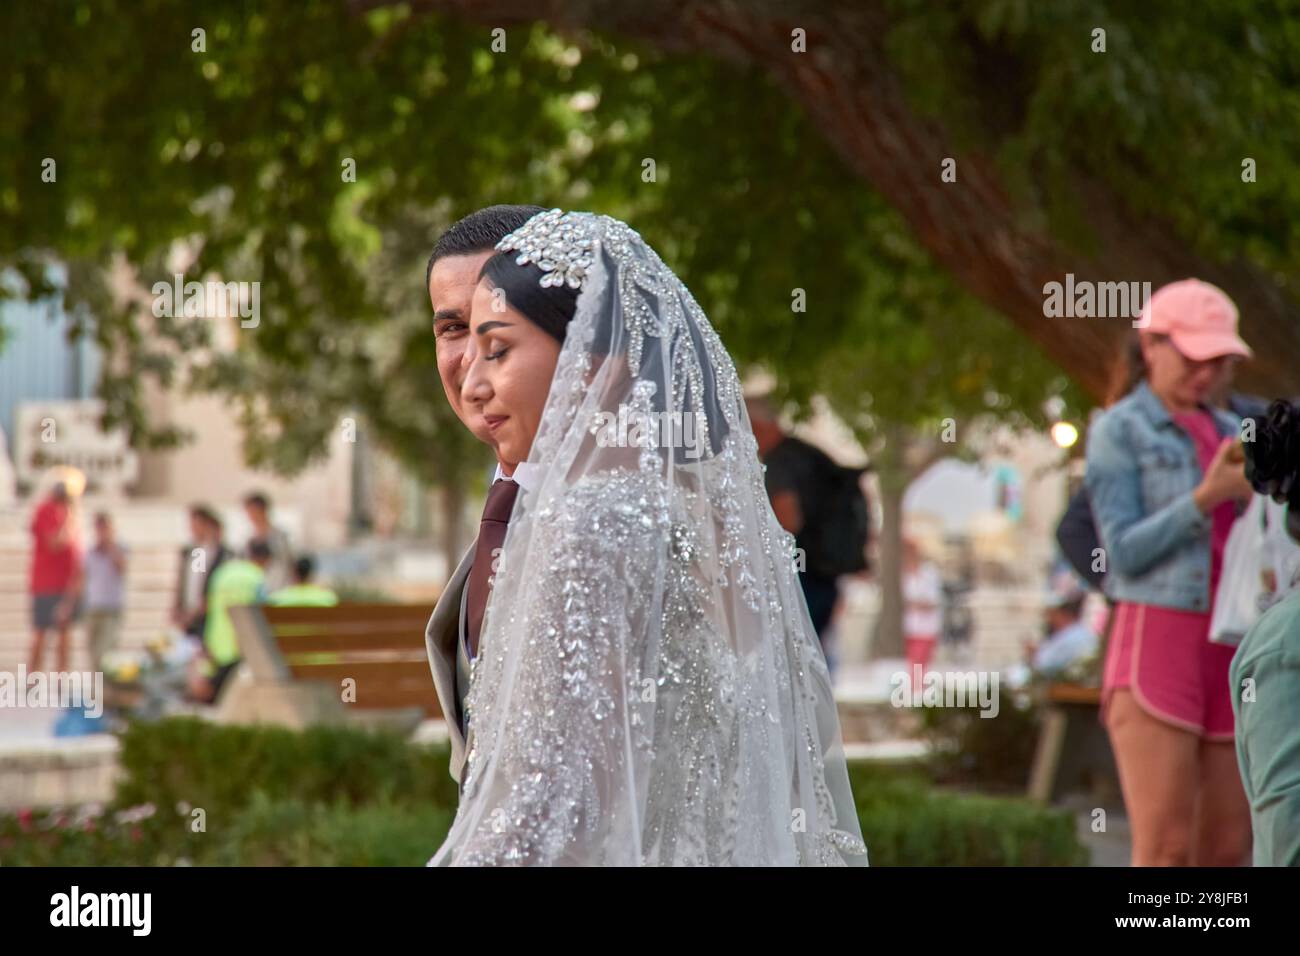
pixel 551 308
pixel 1273 458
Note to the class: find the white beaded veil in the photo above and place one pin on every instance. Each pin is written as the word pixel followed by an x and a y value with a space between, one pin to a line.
pixel 649 689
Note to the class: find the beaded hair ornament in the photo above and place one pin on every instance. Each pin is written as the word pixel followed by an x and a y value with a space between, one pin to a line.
pixel 561 244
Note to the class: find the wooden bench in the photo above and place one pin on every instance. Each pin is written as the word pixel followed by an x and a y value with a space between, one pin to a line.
pixel 323 664
pixel 1072 744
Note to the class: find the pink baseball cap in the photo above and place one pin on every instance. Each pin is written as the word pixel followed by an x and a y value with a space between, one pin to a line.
pixel 1198 317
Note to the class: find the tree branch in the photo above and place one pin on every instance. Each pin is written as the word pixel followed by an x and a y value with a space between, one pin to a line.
pixel 850 91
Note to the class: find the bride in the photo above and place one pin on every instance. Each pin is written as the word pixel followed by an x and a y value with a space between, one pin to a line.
pixel 648 688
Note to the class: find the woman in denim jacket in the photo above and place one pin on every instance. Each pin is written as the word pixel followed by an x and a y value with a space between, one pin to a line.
pixel 1164 474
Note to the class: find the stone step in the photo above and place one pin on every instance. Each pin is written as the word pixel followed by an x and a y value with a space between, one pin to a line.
pixel 57 772
pixel 141 557
pixel 147 595
pixel 17 635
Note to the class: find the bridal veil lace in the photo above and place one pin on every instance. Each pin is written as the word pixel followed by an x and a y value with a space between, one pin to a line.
pixel 649 689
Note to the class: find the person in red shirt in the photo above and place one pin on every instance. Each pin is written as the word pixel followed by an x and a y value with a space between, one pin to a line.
pixel 54 579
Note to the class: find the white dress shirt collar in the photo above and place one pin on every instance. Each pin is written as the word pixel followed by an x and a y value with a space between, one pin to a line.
pixel 528 475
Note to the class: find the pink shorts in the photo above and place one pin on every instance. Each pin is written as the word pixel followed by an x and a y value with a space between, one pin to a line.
pixel 1166 659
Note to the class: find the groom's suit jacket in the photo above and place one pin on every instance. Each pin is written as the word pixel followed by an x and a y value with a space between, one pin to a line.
pixel 441 637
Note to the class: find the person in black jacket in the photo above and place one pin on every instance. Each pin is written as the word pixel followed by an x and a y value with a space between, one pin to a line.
pixel 792 476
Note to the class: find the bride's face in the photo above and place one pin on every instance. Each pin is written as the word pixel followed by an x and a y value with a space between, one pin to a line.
pixel 511 364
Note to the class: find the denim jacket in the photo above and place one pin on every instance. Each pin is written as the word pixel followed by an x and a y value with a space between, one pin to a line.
pixel 1142 469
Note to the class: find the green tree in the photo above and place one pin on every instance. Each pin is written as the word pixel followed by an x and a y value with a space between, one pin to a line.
pixel 775 171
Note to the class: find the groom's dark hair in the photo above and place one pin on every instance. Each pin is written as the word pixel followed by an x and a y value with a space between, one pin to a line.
pixel 479 232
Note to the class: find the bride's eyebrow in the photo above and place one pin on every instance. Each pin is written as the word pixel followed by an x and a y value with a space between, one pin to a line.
pixel 489 326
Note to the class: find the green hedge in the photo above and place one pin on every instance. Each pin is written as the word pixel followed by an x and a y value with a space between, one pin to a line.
pixel 990 753
pixel 220 767
pixel 346 797
pixel 293 833
pixel 264 833
pixel 910 823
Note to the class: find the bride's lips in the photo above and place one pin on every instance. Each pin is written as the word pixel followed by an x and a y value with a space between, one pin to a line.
pixel 494 422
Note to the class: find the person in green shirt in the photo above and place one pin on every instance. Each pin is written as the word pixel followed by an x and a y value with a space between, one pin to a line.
pixel 302 593
pixel 235 582
pixel 1265 670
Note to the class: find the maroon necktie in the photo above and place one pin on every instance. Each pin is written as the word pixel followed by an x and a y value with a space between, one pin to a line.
pixel 491 535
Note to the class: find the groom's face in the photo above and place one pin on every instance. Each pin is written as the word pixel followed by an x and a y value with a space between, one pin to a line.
pixel 451 290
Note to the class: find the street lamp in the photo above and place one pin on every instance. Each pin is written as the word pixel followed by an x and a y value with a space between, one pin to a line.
pixel 1064 434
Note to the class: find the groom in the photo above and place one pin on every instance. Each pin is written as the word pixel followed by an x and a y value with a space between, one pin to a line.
pixel 452 634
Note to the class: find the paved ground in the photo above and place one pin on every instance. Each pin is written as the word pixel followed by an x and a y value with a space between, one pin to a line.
pixel 26 724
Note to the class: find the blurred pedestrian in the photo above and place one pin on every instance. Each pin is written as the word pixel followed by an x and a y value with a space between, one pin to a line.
pixel 55 575
pixel 822 504
pixel 104 591
pixel 303 593
pixel 199 559
pixel 237 582
pixel 279 573
pixel 1164 473
pixel 1068 640
pixel 922 610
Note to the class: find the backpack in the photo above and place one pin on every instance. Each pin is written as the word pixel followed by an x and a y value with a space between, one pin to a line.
pixel 835 537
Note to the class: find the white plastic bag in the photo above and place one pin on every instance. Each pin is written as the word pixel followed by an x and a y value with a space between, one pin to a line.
pixel 1261 565
pixel 1237 600
pixel 1281 554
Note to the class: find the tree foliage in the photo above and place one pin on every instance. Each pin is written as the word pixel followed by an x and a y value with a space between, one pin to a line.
pixel 238 150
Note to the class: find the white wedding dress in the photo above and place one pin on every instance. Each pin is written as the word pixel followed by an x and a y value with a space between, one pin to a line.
pixel 649 689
